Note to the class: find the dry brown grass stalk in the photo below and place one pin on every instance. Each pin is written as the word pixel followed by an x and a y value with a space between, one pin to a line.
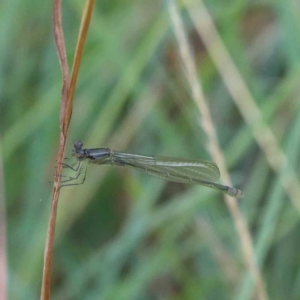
pixel 215 150
pixel 68 90
pixel 243 99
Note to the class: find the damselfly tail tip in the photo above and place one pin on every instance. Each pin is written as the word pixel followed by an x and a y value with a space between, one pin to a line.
pixel 236 193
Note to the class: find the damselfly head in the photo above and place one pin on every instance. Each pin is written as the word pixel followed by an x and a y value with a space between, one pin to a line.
pixel 78 145
pixel 78 151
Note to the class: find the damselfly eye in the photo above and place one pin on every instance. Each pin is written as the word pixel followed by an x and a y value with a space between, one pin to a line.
pixel 78 145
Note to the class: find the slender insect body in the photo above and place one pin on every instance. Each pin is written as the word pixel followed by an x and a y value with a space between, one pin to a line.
pixel 169 168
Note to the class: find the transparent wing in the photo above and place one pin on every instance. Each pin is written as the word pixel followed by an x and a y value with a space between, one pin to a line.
pixel 170 168
pixel 176 169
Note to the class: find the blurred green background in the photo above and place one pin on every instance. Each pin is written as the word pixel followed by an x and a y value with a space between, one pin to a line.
pixel 125 235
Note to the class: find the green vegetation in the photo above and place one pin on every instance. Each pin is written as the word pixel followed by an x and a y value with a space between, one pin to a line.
pixel 123 234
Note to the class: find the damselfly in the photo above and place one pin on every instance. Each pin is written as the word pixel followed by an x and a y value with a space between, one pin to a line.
pixel 169 168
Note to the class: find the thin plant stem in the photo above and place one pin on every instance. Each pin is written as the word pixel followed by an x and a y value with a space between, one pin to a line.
pixel 243 99
pixel 68 90
pixel 214 148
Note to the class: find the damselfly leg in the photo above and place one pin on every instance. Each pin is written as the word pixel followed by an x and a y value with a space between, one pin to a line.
pixel 80 170
pixel 74 166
